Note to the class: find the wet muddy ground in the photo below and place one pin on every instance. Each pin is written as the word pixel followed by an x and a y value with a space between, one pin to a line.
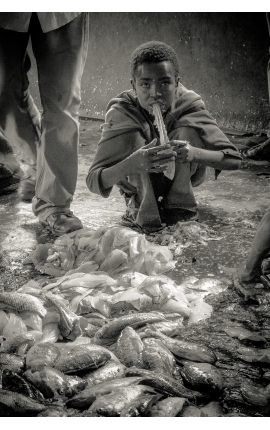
pixel 232 206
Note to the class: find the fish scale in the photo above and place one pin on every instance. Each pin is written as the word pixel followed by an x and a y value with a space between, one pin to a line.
pixel 22 303
pixel 156 357
pixel 129 347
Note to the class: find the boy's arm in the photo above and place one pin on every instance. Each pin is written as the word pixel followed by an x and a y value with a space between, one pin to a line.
pixel 215 159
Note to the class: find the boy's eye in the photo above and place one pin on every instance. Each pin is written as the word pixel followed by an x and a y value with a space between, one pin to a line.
pixel 145 85
pixel 165 84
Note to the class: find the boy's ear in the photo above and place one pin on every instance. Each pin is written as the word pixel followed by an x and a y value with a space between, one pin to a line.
pixel 177 79
pixel 133 85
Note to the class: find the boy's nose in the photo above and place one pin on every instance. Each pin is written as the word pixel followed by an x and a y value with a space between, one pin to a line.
pixel 155 91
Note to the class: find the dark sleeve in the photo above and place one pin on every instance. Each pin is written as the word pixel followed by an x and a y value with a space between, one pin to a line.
pixel 109 153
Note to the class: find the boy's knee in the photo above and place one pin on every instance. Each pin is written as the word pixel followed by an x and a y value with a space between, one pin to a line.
pixel 187 133
pixel 199 176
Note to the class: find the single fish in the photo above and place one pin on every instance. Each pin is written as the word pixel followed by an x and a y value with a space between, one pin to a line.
pixel 122 308
pixel 111 405
pixel 111 370
pixel 122 237
pixel 180 307
pixel 191 411
pixel 92 348
pixel 254 355
pixel 95 315
pixel 90 330
pixel 163 383
pixel 22 303
pixel 53 411
pixel 141 406
pixel 203 377
pixel 98 322
pixel 213 409
pixel 166 327
pixel 114 260
pixel 184 349
pixel 242 334
pixel 17 344
pixel 157 357
pixel 12 362
pixel 69 322
pixel 206 286
pixel 160 291
pixel 157 290
pixel 53 383
pixel 50 333
pixel 13 382
pixel 20 403
pixel 85 399
pixel 114 328
pixel 169 407
pixel 43 354
pixel 79 358
pixel 129 347
pixel 70 293
pixel 199 310
pixel 254 394
pixel 106 241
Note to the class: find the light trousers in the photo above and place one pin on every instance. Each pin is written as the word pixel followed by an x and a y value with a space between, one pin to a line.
pixel 50 140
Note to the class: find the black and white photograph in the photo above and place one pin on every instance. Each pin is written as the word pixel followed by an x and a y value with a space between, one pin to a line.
pixel 134 213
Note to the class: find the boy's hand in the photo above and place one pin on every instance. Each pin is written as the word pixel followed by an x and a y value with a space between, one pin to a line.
pixel 185 152
pixel 152 158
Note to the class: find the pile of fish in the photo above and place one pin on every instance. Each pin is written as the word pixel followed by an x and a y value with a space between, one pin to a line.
pixel 104 338
pixel 183 234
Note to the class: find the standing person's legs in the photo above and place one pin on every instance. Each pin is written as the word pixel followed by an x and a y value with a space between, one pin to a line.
pixel 61 56
pixel 19 117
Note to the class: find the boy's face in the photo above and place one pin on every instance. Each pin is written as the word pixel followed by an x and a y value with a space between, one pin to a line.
pixel 155 82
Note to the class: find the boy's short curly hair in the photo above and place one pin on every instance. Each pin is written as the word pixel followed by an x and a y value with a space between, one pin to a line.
pixel 153 52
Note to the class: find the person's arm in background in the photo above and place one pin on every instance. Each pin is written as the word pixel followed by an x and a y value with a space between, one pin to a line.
pixel 246 271
pixel 260 246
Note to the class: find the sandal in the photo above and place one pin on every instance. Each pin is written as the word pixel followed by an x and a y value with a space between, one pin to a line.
pixel 62 223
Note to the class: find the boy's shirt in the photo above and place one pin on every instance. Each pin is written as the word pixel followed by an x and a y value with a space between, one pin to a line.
pixel 125 115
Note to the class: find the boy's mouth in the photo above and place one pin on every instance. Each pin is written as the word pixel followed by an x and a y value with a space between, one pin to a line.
pixel 162 106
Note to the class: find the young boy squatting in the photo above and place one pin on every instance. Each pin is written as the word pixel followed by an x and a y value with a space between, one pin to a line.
pixel 128 155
